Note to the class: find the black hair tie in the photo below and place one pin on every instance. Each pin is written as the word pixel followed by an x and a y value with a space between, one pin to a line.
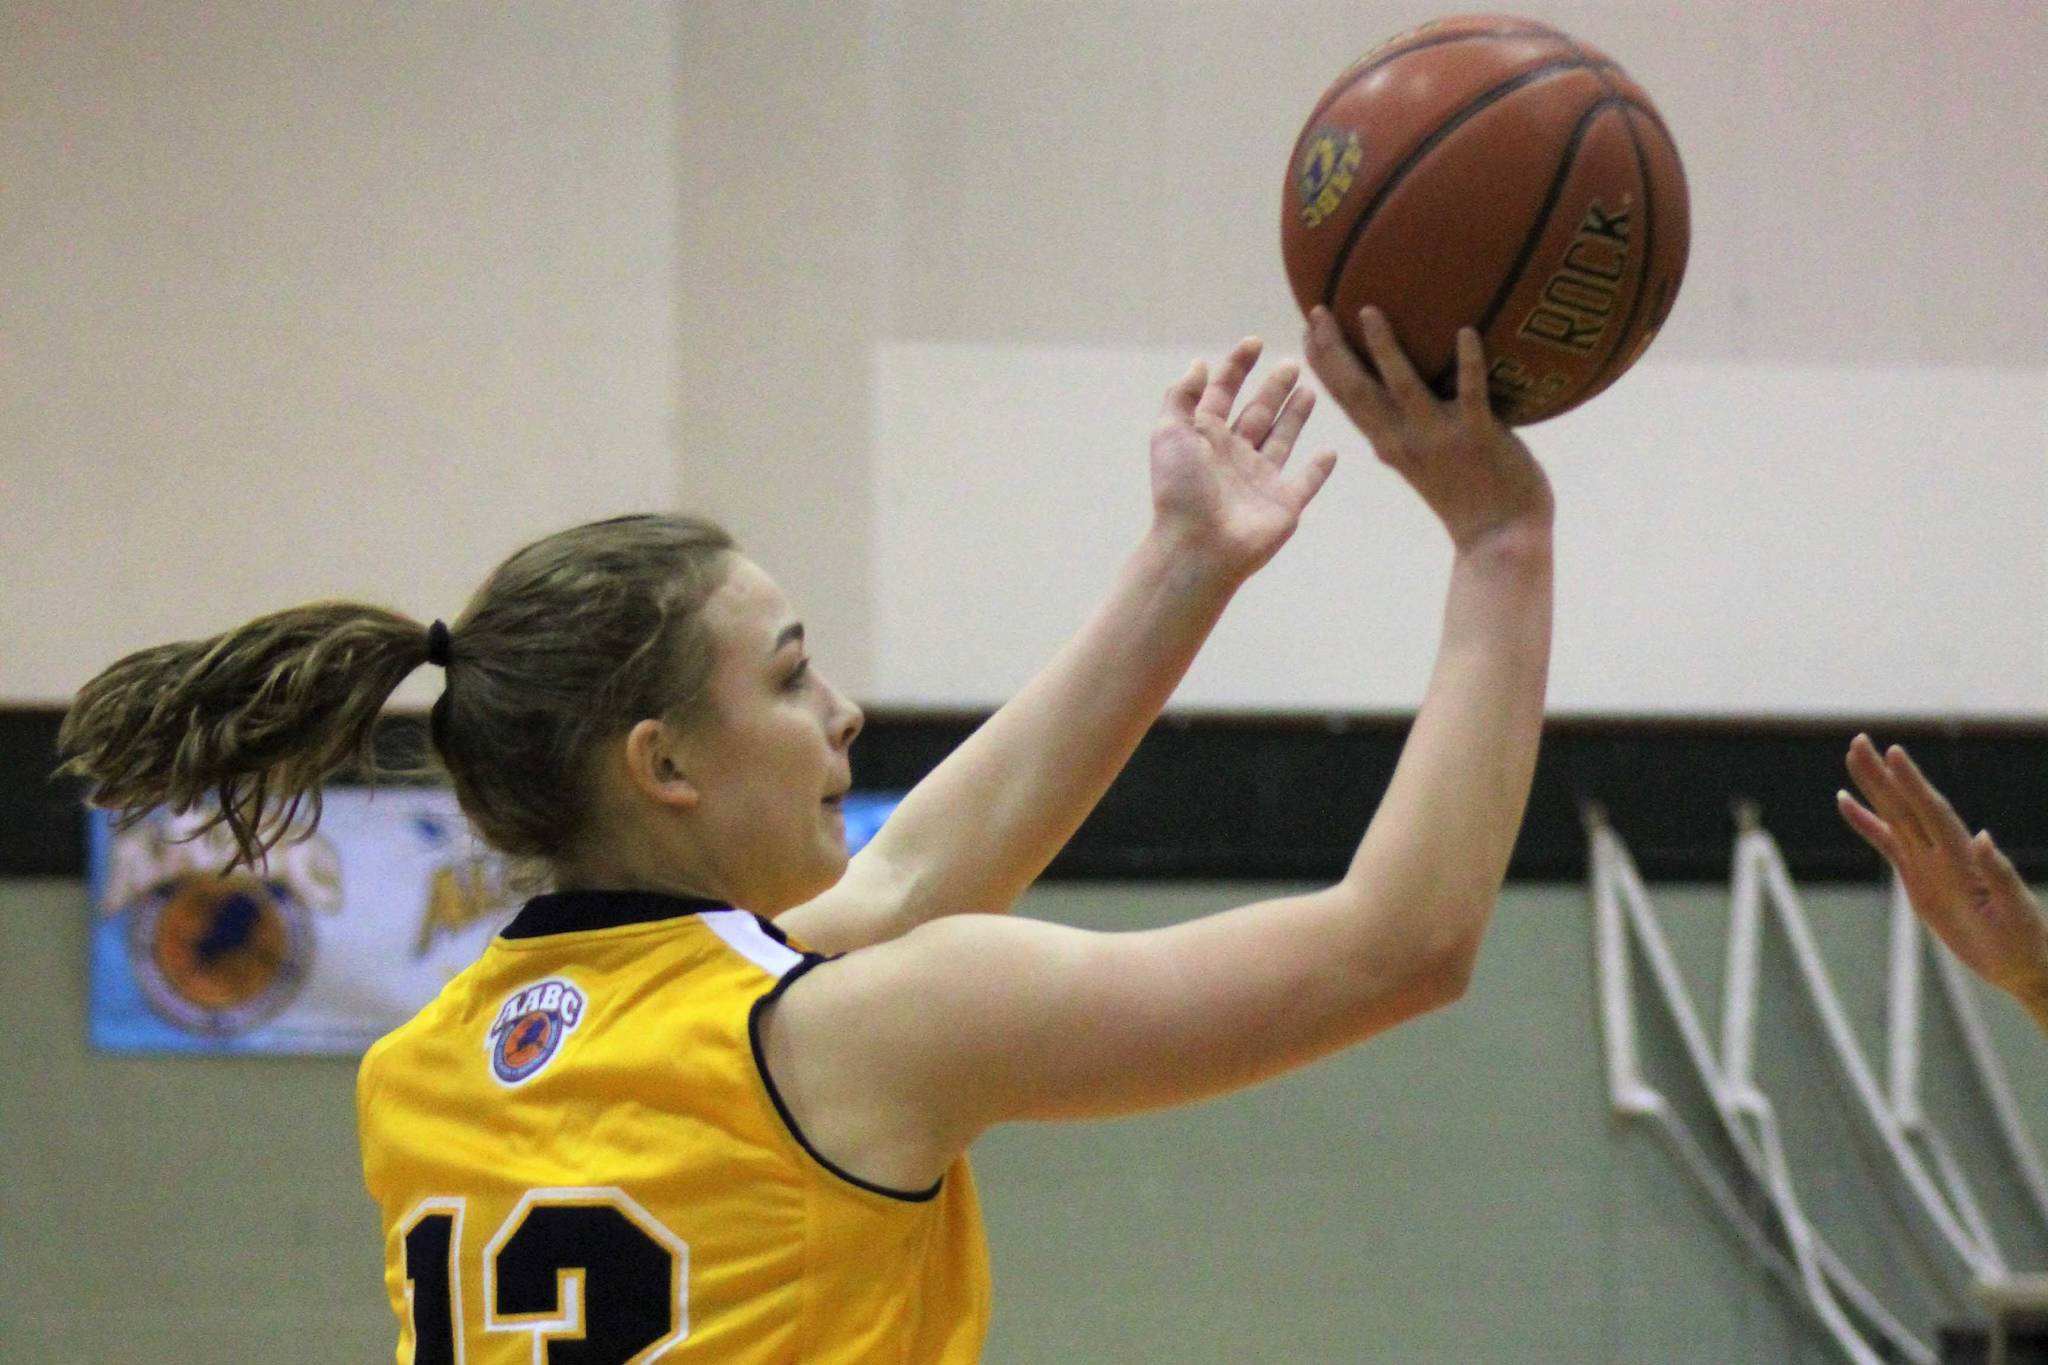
pixel 439 644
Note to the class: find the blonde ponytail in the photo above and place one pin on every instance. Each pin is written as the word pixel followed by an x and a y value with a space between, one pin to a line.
pixel 252 721
pixel 569 641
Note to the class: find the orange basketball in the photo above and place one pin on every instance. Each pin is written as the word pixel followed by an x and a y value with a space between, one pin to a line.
pixel 1497 173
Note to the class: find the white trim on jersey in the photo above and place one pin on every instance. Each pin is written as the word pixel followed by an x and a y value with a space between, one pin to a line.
pixel 743 933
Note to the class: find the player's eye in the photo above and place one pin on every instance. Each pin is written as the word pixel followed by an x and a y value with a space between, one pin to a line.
pixel 797 675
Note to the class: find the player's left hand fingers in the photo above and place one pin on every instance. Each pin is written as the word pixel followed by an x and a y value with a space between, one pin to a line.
pixel 1308 478
pixel 1256 420
pixel 1178 406
pixel 1221 395
pixel 1286 429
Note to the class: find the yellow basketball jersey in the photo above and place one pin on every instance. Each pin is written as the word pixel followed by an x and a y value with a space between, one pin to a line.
pixel 579 1157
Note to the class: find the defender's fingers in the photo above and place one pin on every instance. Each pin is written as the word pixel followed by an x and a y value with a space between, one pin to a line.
pixel 1221 395
pixel 1914 812
pixel 1279 443
pixel 1384 350
pixel 2009 890
pixel 1935 813
pixel 1874 831
pixel 1255 423
pixel 1879 787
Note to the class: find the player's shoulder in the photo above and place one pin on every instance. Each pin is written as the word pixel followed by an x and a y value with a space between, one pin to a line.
pixel 944 963
pixel 529 987
pixel 426 1020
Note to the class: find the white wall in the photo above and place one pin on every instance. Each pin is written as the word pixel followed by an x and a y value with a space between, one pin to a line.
pixel 1733 538
pixel 352 299
pixel 319 300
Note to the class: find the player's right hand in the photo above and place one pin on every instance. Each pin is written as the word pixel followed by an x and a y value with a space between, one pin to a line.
pixel 1474 473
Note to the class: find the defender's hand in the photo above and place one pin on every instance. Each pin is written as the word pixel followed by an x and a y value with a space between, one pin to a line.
pixel 1964 888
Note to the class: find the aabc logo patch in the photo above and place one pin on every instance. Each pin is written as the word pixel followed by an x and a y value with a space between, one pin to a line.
pixel 530 1027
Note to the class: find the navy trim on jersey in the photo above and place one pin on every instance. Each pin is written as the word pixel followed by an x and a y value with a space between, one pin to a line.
pixel 566 912
pixel 788 1119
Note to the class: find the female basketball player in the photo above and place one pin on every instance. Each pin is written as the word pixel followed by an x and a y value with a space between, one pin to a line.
pixel 648 1125
pixel 1965 889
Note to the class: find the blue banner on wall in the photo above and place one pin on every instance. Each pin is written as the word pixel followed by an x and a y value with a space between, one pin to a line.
pixel 343 936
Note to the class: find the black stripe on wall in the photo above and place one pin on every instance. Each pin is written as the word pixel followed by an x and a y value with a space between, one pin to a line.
pixel 1286 797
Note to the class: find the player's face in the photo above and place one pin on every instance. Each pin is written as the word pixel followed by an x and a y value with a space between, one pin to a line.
pixel 768 755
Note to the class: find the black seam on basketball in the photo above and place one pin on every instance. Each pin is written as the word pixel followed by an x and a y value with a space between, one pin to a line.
pixel 1642 108
pixel 1513 276
pixel 1457 120
pixel 1337 92
pixel 1635 304
pixel 1598 68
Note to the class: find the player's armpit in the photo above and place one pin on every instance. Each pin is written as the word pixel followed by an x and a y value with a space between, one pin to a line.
pixel 895 1058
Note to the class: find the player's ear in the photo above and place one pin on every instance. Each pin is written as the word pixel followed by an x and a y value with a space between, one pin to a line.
pixel 654 765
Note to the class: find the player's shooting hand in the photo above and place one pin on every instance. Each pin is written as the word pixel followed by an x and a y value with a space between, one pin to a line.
pixel 1964 888
pixel 1224 486
pixel 1474 473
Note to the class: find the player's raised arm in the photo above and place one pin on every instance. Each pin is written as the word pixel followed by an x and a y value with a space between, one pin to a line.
pixel 970 1021
pixel 983 825
pixel 1963 887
